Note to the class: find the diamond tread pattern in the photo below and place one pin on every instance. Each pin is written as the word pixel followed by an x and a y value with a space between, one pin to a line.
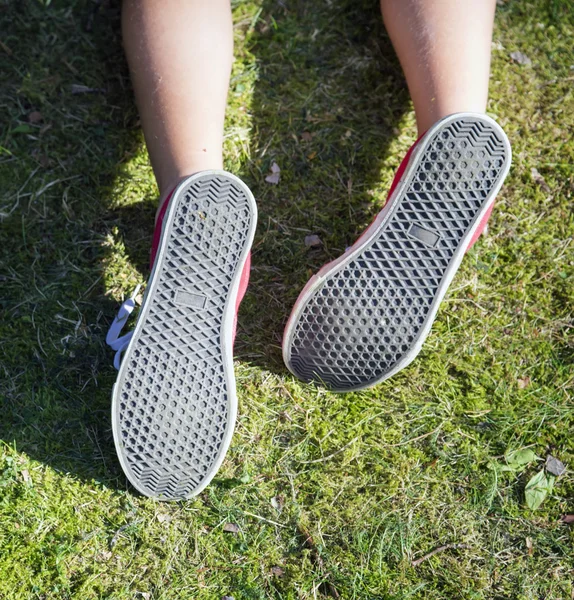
pixel 173 397
pixel 367 316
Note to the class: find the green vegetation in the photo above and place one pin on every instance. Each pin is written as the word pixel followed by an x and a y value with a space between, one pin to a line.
pixel 334 495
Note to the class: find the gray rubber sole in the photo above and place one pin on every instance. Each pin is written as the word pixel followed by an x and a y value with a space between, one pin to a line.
pixel 174 403
pixel 365 316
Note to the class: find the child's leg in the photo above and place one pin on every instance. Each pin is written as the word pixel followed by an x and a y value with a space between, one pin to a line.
pixel 444 49
pixel 364 316
pixel 180 54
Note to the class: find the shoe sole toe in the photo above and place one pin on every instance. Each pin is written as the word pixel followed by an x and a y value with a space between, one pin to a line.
pixel 174 403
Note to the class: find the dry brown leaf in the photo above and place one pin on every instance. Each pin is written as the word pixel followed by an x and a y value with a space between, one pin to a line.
pixel 277 571
pixel 104 556
pixel 554 466
pixel 306 136
pixel 277 502
pixel 313 241
pixel 529 546
pixel 568 519
pixel 523 382
pixel 275 174
pixel 520 58
pixel 163 518
pixel 231 528
pixel 539 180
pixel 35 117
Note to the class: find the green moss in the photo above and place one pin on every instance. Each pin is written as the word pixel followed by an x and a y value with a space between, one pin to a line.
pixel 377 478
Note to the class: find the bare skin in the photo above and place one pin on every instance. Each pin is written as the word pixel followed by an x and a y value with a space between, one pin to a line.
pixel 444 49
pixel 180 54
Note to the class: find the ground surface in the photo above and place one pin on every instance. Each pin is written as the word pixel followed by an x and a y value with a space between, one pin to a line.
pixel 333 495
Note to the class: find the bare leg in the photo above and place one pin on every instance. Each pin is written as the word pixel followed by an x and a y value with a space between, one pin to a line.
pixel 180 54
pixel 444 49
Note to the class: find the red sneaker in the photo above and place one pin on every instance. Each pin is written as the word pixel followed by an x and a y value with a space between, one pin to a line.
pixel 364 316
pixel 174 403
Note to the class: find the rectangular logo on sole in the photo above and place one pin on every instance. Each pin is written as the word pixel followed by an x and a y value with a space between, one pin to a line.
pixel 430 238
pixel 189 299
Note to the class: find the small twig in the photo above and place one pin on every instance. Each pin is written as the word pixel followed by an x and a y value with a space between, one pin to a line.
pixel 309 543
pixel 420 560
pixel 246 512
pixel 328 457
pixel 415 439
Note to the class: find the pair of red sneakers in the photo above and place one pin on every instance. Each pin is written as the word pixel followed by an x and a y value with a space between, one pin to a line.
pixel 359 320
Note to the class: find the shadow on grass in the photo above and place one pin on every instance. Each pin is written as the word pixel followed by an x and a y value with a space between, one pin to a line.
pixel 327 103
pixel 56 374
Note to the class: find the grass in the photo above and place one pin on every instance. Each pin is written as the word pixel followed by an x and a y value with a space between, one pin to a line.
pixel 334 495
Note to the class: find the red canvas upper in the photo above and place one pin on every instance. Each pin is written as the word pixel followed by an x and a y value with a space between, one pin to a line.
pixel 243 282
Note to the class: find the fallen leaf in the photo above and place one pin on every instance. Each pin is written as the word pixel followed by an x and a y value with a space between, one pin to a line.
pixel 538 179
pixel 553 466
pixel 104 556
pixel 529 546
pixel 313 241
pixel 311 156
pixel 275 174
pixel 520 58
pixel 231 528
pixel 272 178
pixel 35 117
pixel 523 382
pixel 277 571
pixel 537 489
pixel 26 476
pixel 568 519
pixel 163 518
pixel 277 502
pixel 306 136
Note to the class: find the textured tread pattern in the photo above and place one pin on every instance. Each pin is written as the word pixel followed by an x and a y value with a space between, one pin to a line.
pixel 172 392
pixel 367 315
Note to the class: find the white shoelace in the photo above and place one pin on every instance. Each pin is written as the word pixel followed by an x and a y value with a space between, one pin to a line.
pixel 114 340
